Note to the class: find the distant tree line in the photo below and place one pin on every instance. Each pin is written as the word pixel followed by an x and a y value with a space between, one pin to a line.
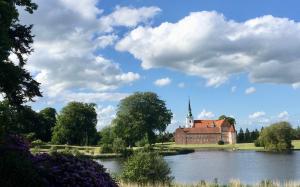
pixel 247 136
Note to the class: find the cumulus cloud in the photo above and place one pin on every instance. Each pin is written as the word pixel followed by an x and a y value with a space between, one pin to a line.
pixel 163 82
pixel 208 45
pixel 257 115
pixel 205 115
pixel 105 115
pixel 250 90
pixel 68 37
pixel 127 16
pixel 284 115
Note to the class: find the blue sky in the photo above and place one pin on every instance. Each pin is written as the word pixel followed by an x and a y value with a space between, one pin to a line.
pixel 238 58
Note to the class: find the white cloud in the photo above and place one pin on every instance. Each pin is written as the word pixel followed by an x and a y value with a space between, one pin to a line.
pixel 127 16
pixel 233 89
pixel 205 115
pixel 66 57
pixel 284 115
pixel 181 85
pixel 105 115
pixel 250 90
pixel 163 82
pixel 208 45
pixel 106 40
pixel 257 115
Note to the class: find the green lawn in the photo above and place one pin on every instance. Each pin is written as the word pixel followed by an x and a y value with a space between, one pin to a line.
pixel 239 146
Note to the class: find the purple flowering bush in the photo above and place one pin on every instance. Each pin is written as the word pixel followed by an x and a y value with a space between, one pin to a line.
pixel 18 167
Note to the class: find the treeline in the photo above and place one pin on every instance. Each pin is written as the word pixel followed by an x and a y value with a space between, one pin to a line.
pixel 247 136
pixel 143 123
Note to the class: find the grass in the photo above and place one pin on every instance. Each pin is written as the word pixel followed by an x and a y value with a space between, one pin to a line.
pixel 239 146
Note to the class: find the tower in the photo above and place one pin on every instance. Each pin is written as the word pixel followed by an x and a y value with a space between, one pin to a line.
pixel 189 117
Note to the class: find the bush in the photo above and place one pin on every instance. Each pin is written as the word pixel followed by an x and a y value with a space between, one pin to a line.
pixel 106 148
pixel 277 137
pixel 37 143
pixel 220 142
pixel 257 143
pixel 119 145
pixel 18 167
pixel 146 167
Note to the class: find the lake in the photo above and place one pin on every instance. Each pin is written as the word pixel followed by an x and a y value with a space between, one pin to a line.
pixel 247 166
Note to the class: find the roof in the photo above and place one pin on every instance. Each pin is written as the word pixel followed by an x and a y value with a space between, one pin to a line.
pixel 214 130
pixel 208 123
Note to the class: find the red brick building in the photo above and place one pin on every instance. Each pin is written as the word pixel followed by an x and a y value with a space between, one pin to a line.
pixel 205 131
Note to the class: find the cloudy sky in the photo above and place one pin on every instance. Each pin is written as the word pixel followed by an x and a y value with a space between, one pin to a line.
pixel 238 58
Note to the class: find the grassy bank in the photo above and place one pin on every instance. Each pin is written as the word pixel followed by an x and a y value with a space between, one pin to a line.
pixel 239 146
pixel 233 183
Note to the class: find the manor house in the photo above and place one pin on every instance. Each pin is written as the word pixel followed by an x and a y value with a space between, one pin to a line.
pixel 205 131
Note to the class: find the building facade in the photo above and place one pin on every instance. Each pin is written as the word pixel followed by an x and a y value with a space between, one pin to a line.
pixel 205 131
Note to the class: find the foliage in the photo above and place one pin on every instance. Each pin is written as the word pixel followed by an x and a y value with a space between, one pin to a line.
pixel 146 167
pixel 119 145
pixel 231 120
pixel 107 135
pixel 277 137
pixel 247 137
pixel 37 143
pixel 76 125
pixel 16 168
pixel 221 142
pixel 165 137
pixel 19 168
pixel 139 114
pixel 106 148
pixel 16 82
pixel 26 121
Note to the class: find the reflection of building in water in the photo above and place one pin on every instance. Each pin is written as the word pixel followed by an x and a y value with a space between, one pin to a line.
pixel 205 131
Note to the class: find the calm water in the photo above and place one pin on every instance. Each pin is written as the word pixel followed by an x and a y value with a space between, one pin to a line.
pixel 247 166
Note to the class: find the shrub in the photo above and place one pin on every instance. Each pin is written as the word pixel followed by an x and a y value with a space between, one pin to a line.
pixel 68 170
pixel 16 167
pixel 106 148
pixel 277 137
pixel 220 142
pixel 37 143
pixel 146 167
pixel 119 145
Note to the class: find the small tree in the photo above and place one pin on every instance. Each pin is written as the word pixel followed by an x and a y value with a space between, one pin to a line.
pixel 277 137
pixel 146 167
pixel 241 136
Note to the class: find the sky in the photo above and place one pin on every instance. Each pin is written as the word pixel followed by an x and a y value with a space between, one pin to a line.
pixel 232 57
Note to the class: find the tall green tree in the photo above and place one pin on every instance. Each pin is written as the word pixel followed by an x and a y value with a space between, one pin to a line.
pixel 16 39
pixel 76 125
pixel 247 136
pixel 141 115
pixel 47 123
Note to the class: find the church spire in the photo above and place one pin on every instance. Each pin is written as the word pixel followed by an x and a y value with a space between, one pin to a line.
pixel 190 109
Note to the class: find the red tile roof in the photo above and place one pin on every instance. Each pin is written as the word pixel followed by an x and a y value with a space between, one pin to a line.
pixel 208 123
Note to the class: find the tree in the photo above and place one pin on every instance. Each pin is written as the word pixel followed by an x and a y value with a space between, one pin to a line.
pixel 16 82
pixel 247 136
pixel 230 119
pixel 47 123
pixel 139 115
pixel 146 167
pixel 76 125
pixel 241 136
pixel 277 137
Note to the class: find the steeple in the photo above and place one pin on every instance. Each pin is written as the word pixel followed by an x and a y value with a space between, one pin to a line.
pixel 189 117
pixel 190 109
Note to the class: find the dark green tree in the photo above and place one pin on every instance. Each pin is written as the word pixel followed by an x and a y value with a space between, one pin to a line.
pixel 76 125
pixel 247 136
pixel 16 83
pixel 47 123
pixel 230 119
pixel 139 115
pixel 277 137
pixel 241 136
